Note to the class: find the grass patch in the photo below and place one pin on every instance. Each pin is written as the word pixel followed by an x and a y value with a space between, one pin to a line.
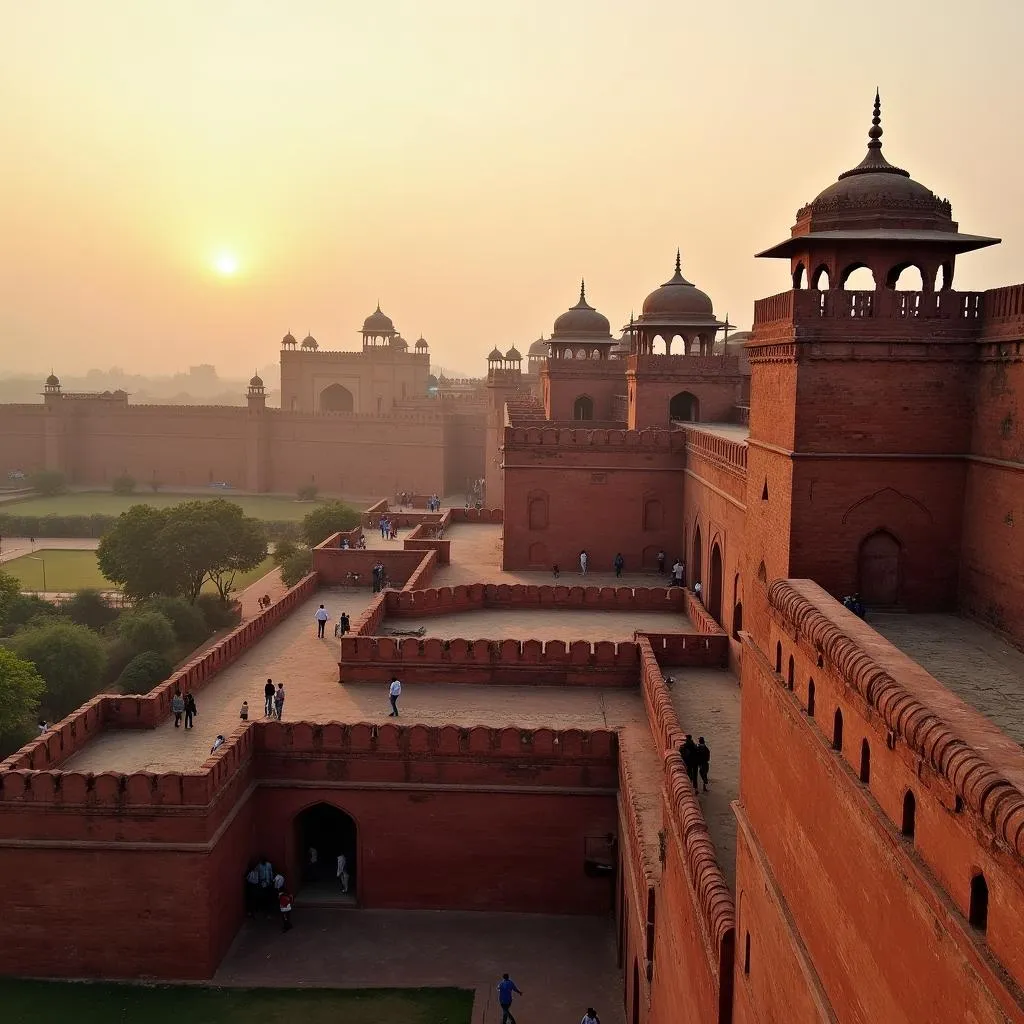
pixel 30 1002
pixel 68 570
pixel 270 507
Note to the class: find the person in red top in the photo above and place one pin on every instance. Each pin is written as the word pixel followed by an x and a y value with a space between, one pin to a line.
pixel 284 902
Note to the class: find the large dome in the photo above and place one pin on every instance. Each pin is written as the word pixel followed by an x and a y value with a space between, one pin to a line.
pixel 399 342
pixel 309 342
pixel 53 381
pixel 256 381
pixel 539 349
pixel 378 323
pixel 582 321
pixel 677 297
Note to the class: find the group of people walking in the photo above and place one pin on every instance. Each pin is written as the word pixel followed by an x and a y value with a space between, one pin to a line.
pixel 273 700
pixel 266 891
pixel 388 528
pixel 184 706
pixel 696 759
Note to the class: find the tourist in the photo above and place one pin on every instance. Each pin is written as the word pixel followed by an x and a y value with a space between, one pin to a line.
pixel 554 570
pixel 341 869
pixel 344 544
pixel 688 753
pixel 279 701
pixel 43 727
pixel 393 531
pixel 677 573
pixel 252 890
pixel 268 698
pixel 505 989
pixel 190 710
pixel 178 707
pixel 312 864
pixel 584 562
pixel 284 902
pixel 278 882
pixel 243 714
pixel 591 1017
pixel 266 878
pixel 697 590
pixel 394 692
pixel 661 563
pixel 703 761
pixel 619 563
pixel 217 743
pixel 321 621
pixel 345 624
pixel 383 527
pixel 362 543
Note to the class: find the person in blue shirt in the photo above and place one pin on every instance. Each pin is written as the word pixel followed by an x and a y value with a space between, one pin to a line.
pixel 505 989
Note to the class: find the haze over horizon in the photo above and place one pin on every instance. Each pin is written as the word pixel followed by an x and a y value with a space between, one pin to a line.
pixel 186 182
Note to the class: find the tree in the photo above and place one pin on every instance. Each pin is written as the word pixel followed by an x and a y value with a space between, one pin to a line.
pixel 27 609
pixel 297 566
pixel 146 631
pixel 20 690
pixel 186 619
pixel 332 517
pixel 10 589
pixel 143 672
pixel 130 554
pixel 123 484
pixel 48 482
pixel 89 608
pixel 69 657
pixel 283 550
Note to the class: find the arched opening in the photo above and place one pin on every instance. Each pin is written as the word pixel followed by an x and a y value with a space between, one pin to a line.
pixel 581 353
pixel 778 657
pixel 762 574
pixel 909 824
pixel 746 953
pixel 294 403
pixel 878 569
pixel 810 699
pixel 737 620
pixel 684 407
pixel 865 762
pixel 944 277
pixel 837 730
pixel 635 1018
pixel 979 902
pixel 538 512
pixel 336 398
pixel 697 564
pixel 820 278
pixel 659 346
pixel 800 276
pixel 331 833
pixel 905 277
pixel 380 404
pixel 790 673
pixel 715 587
pixel 538 556
pixel 654 514
pixel 857 277
pixel 583 408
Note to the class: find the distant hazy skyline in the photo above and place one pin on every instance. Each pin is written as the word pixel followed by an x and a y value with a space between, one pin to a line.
pixel 184 182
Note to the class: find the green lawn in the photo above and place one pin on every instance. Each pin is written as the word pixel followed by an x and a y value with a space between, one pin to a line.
pixel 33 1002
pixel 70 570
pixel 277 507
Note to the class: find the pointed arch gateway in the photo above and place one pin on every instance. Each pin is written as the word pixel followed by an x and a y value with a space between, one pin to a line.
pixel 715 583
pixel 879 569
pixel 336 398
pixel 685 407
pixel 331 832
pixel 583 408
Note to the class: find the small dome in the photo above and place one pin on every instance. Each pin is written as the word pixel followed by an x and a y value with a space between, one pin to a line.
pixel 399 342
pixel 378 323
pixel 539 349
pixel 421 343
pixel 582 321
pixel 677 297
pixel 256 382
pixel 288 340
pixel 512 355
pixel 309 342
pixel 53 381
pixel 495 356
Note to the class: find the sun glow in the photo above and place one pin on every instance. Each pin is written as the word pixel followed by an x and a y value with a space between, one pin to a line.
pixel 226 264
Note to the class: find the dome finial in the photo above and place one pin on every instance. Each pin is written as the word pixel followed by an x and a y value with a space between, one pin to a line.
pixel 875 132
pixel 679 262
pixel 583 290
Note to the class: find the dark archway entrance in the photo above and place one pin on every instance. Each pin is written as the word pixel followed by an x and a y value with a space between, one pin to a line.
pixel 696 567
pixel 583 408
pixel 878 569
pixel 715 584
pixel 331 833
pixel 685 407
pixel 336 399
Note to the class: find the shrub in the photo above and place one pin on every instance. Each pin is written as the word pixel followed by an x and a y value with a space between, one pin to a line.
pixel 283 550
pixel 143 672
pixel 308 492
pixel 330 518
pixel 28 610
pixel 297 566
pixel 123 484
pixel 146 631
pixel 48 482
pixel 217 613
pixel 186 619
pixel 89 608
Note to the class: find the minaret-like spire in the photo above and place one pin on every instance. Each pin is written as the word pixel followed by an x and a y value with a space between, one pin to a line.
pixel 875 132
pixel 874 162
pixel 679 262
pixel 583 291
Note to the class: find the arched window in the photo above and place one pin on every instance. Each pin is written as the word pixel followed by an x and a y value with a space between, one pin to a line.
pixel 583 408
pixel 810 699
pixel 336 399
pixel 789 673
pixel 944 277
pixel 746 953
pixel 697 564
pixel 878 569
pixel 909 824
pixel 762 574
pixel 820 278
pixel 800 277
pixel 865 762
pixel 715 584
pixel 659 346
pixel 737 620
pixel 905 277
pixel 778 657
pixel 684 407
pixel 537 509
pixel 654 514
pixel 837 730
pixel 979 902
pixel 857 277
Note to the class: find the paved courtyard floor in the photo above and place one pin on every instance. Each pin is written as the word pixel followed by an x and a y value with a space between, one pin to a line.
pixel 562 964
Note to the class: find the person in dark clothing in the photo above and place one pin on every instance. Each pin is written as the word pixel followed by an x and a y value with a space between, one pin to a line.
pixel 703 762
pixel 619 563
pixel 268 698
pixel 190 710
pixel 688 753
pixel 661 563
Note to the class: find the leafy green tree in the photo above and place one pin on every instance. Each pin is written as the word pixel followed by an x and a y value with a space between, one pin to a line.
pixel 332 517
pixel 146 631
pixel 131 555
pixel 297 566
pixel 123 484
pixel 143 672
pixel 20 690
pixel 186 619
pixel 217 613
pixel 27 609
pixel 10 589
pixel 69 657
pixel 89 608
pixel 48 482
pixel 283 550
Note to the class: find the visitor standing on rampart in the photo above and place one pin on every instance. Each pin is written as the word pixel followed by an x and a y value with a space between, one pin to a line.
pixel 279 701
pixel 590 1017
pixel 689 754
pixel 703 762
pixel 268 698
pixel 178 707
pixel 190 710
pixel 584 563
pixel 619 563
pixel 394 692
pixel 677 573
pixel 322 615
pixel 661 563
pixel 505 989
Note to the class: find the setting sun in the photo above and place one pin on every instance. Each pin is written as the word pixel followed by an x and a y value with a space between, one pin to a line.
pixel 226 264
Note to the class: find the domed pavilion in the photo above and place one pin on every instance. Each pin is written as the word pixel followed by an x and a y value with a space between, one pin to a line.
pixel 581 332
pixel 378 330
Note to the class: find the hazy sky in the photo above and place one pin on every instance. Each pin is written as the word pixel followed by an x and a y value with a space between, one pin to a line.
pixel 464 162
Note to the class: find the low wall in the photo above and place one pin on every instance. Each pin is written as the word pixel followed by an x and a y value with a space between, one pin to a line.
pixel 477 515
pixel 367 659
pixel 691 650
pixel 423 538
pixel 333 564
pixel 701 617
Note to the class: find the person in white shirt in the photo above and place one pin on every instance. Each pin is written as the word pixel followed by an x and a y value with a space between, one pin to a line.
pixel 322 615
pixel 394 692
pixel 591 1017
pixel 217 744
pixel 584 562
pixel 279 881
pixel 677 573
pixel 342 872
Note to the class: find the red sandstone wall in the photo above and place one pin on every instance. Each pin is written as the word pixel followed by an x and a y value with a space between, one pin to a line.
pixel 23 448
pixel 568 380
pixel 333 563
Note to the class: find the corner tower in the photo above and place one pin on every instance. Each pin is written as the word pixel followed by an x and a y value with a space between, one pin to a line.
pixel 860 397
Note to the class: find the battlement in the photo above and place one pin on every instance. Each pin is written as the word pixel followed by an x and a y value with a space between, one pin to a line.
pixel 370 353
pixel 717 449
pixel 1003 314
pixel 649 439
pixel 681 366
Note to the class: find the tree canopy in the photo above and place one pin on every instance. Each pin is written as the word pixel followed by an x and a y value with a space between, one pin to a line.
pixel 332 517
pixel 10 588
pixel 20 689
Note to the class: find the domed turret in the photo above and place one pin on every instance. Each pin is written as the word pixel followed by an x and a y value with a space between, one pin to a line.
pixel 400 343
pixel 378 323
pixel 288 341
pixel 513 355
pixel 495 356
pixel 582 321
pixel 53 381
pixel 677 298
pixel 309 343
pixel 256 381
pixel 421 344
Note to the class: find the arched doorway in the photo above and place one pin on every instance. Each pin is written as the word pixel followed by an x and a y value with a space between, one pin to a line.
pixel 878 569
pixel 684 407
pixel 715 584
pixel 336 399
pixel 331 833
pixel 698 568
pixel 583 408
